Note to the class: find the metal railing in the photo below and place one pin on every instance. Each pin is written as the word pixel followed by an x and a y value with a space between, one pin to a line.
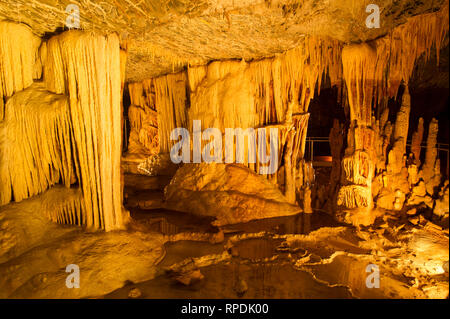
pixel 442 148
pixel 309 148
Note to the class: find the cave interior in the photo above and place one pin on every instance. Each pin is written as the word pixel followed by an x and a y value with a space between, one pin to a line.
pixel 224 149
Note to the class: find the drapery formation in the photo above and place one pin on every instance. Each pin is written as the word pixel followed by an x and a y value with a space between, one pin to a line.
pixel 18 67
pixel 67 128
pixel 87 68
pixel 35 144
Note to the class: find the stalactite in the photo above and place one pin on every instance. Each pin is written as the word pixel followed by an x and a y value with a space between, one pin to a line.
pixel 362 79
pixel 272 85
pixel 273 92
pixel 64 206
pixel 399 51
pixel 87 68
pixel 294 77
pixel 123 65
pixel 18 51
pixel 35 145
pixel 143 118
pixel 224 97
pixel 170 100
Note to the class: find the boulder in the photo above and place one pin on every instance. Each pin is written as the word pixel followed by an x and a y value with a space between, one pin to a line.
pixel 231 193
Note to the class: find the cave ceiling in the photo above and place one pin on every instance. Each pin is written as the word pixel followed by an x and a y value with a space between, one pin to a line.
pixel 165 36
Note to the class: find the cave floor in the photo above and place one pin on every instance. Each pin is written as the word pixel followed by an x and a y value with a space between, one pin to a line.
pixel 251 260
pixel 167 254
pixel 303 256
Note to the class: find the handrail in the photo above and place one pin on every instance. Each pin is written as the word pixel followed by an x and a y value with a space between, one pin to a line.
pixel 440 147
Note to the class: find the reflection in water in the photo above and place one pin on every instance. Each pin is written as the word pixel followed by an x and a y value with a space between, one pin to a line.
pixel 240 280
pixel 297 224
pixel 256 248
pixel 257 267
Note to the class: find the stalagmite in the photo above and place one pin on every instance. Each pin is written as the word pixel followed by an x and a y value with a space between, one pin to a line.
pixel 294 152
pixel 336 138
pixel 87 68
pixel 18 51
pixel 144 130
pixel 373 72
pixel 358 165
pixel 402 120
pixel 416 142
pixel 441 207
pixel 394 179
pixel 430 171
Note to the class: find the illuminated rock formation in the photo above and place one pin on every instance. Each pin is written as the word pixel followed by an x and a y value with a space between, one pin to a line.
pixel 394 179
pixel 358 163
pixel 430 171
pixel 143 120
pixel 70 134
pixel 34 266
pixel 229 192
pixel 271 93
pixel 416 143
pixel 35 144
pixel 18 56
pixel 93 86
pixel 373 72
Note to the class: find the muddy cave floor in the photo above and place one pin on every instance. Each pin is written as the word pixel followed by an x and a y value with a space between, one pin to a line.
pixel 167 254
